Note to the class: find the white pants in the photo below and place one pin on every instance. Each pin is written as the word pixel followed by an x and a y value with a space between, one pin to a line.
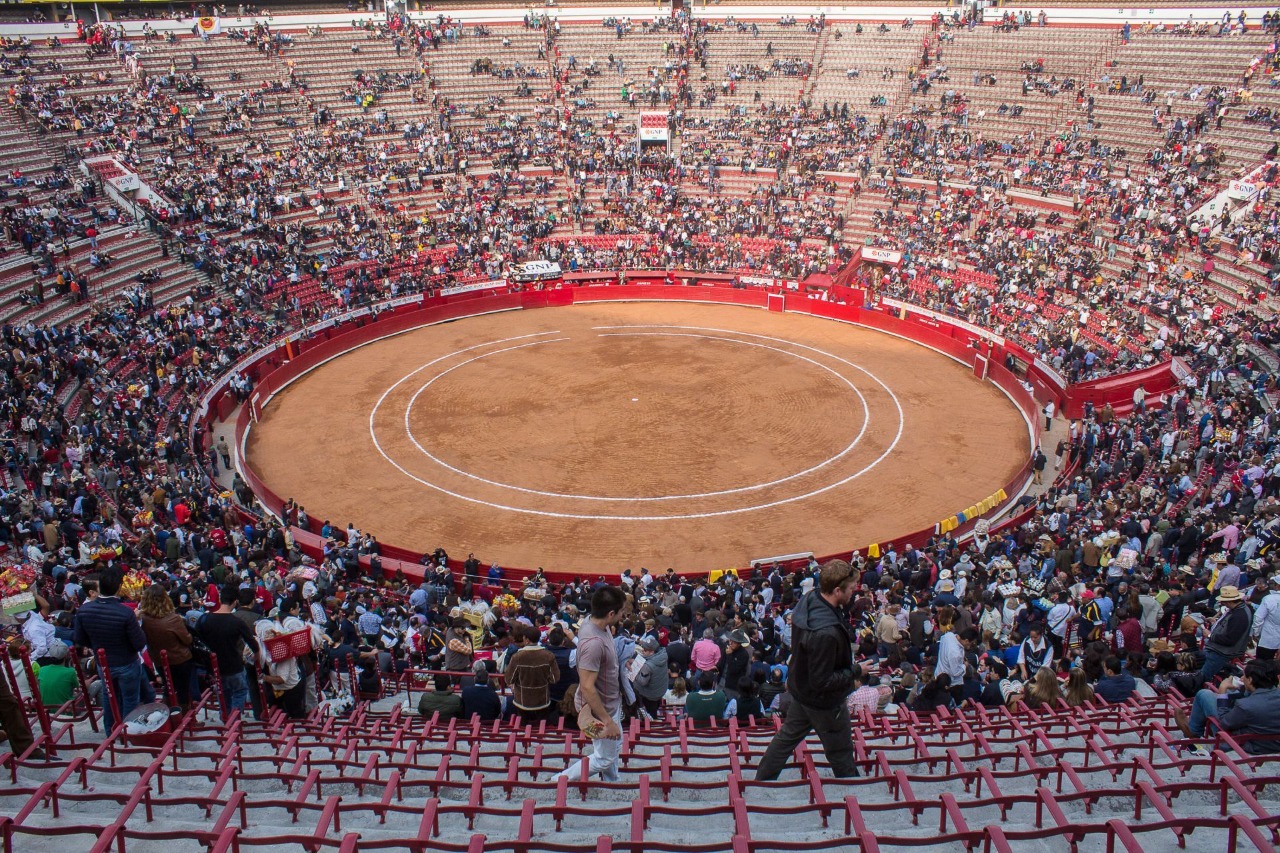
pixel 603 760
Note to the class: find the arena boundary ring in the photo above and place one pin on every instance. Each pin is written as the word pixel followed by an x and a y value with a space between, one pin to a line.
pixel 753 487
pixel 346 336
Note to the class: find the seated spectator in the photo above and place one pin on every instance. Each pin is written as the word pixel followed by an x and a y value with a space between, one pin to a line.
pixel 996 686
pixel 676 696
pixel 480 699
pixel 1043 691
pixel 442 700
pixel 1078 692
pixel 746 705
pixel 1251 707
pixel 708 702
pixel 773 687
pixel 56 678
pixel 934 695
pixel 1117 685
pixel 865 696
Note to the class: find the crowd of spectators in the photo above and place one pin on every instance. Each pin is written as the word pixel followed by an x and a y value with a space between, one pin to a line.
pixel 1127 576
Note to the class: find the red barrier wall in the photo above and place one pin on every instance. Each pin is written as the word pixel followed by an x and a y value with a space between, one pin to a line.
pixel 272 370
pixel 1118 390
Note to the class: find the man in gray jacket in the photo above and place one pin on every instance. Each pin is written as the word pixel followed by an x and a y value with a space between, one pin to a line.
pixel 650 683
pixel 1230 635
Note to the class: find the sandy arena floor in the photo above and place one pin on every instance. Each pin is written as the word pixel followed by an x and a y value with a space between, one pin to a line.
pixel 599 437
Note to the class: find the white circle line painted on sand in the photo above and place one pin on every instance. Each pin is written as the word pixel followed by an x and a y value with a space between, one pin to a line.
pixel 866 421
pixel 716 514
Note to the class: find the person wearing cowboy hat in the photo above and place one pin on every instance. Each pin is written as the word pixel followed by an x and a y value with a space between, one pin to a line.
pixel 946 594
pixel 736 661
pixel 1266 621
pixel 1230 635
pixel 1228 572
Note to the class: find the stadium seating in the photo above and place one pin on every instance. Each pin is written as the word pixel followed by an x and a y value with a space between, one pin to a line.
pixel 1044 779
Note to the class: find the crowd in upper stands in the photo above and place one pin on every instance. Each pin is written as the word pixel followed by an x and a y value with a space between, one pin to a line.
pixel 1125 578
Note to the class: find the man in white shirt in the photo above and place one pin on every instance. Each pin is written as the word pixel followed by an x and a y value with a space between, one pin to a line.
pixel 38 632
pixel 1059 621
pixel 1266 622
pixel 952 649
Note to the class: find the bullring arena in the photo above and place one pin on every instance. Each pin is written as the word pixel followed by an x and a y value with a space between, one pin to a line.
pixel 306 303
pixel 576 438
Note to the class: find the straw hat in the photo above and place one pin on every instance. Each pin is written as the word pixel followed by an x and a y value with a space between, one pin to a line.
pixel 1228 594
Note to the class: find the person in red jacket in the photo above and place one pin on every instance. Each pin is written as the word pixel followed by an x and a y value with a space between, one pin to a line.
pixel 1128 634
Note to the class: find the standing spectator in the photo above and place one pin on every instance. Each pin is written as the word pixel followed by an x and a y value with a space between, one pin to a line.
pixel 1266 622
pixel 286 677
pixel 651 681
pixel 821 676
pixel 598 687
pixel 736 661
pixel 1034 652
pixel 679 654
pixel 106 624
pixel 952 649
pixel 531 671
pixel 888 634
pixel 705 656
pixel 370 624
pixel 167 632
pixel 14 722
pixel 224 632
pixel 458 650
pixel 1230 635
pixel 560 644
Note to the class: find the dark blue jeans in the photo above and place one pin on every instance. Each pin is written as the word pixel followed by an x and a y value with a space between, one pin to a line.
pixel 235 693
pixel 127 683
pixel 1213 663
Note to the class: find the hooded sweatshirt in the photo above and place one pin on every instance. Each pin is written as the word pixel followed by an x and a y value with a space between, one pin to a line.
pixel 821 674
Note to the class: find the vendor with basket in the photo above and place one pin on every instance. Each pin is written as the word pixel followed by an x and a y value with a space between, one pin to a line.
pixel 287 644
